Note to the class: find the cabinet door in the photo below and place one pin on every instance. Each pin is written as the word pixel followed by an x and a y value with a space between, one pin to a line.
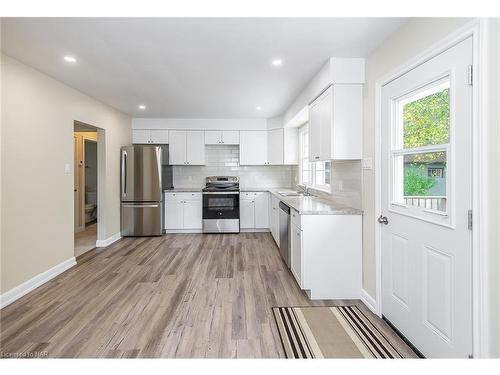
pixel 231 137
pixel 141 136
pixel 314 131
pixel 275 146
pixel 213 137
pixel 195 147
pixel 247 213
pixel 262 210
pixel 275 219
pixel 291 146
pixel 326 113
pixel 174 216
pixel 253 147
pixel 192 214
pixel 296 250
pixel 159 137
pixel 177 147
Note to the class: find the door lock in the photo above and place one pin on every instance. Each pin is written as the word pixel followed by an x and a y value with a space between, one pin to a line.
pixel 383 220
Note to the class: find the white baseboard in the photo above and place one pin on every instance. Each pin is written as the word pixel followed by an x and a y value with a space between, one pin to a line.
pixel 12 295
pixel 173 231
pixel 369 301
pixel 255 230
pixel 108 241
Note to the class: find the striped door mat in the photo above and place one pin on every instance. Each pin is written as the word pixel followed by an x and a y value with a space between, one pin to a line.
pixel 333 332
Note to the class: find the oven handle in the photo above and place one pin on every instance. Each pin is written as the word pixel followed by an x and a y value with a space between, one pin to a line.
pixel 221 192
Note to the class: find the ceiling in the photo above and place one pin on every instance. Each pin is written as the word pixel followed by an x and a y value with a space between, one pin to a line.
pixel 190 67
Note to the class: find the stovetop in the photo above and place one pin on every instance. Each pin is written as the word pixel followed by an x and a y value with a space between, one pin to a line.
pixel 222 183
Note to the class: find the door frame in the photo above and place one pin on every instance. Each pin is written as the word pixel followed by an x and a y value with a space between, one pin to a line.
pixel 476 30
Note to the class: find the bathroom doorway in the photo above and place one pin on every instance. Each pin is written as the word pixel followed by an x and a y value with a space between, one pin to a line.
pixel 85 187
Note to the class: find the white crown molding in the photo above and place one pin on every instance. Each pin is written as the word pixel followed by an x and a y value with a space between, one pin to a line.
pixel 15 293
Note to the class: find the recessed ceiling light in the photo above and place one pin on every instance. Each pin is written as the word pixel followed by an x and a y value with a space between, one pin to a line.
pixel 258 108
pixel 142 107
pixel 277 62
pixel 70 59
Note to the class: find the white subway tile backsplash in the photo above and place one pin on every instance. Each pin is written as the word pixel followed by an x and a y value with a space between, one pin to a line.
pixel 223 160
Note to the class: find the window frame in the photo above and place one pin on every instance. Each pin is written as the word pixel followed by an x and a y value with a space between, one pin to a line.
pixel 327 188
pixel 397 149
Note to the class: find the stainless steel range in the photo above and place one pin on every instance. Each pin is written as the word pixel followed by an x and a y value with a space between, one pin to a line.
pixel 221 205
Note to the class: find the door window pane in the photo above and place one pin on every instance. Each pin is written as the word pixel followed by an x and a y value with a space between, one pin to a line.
pixel 421 180
pixel 425 117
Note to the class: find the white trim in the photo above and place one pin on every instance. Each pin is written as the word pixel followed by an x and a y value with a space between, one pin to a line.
pixel 255 230
pixel 475 29
pixel 173 231
pixel 17 292
pixel 108 241
pixel 369 301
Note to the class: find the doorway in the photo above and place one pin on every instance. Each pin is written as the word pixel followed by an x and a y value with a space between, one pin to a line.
pixel 426 184
pixel 85 187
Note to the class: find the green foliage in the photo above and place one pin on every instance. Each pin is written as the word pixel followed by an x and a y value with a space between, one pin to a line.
pixel 417 184
pixel 427 120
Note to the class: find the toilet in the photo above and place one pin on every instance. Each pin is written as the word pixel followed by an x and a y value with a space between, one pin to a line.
pixel 90 206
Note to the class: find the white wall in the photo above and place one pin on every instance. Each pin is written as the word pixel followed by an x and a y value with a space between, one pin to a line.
pixel 197 123
pixel 492 243
pixel 410 40
pixel 37 117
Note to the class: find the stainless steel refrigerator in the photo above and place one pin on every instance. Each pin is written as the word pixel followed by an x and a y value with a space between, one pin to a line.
pixel 145 173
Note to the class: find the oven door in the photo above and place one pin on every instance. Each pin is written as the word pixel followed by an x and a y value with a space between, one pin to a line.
pixel 221 205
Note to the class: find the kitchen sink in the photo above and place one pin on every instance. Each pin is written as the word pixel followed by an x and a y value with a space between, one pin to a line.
pixel 290 193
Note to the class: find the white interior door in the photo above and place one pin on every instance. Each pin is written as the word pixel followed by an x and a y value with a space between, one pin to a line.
pixel 426 196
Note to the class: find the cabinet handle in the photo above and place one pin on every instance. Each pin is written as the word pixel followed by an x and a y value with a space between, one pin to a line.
pixel 316 157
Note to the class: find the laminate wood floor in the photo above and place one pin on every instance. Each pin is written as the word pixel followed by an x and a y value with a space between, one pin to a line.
pixel 180 295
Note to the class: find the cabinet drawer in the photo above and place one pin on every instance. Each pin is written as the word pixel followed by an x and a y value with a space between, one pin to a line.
pixel 295 218
pixel 248 195
pixel 182 196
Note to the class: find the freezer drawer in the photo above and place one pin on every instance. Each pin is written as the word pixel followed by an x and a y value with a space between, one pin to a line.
pixel 141 219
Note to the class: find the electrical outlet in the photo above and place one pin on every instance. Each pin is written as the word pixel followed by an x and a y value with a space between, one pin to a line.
pixel 367 163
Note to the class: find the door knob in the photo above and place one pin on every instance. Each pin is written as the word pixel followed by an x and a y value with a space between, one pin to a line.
pixel 383 220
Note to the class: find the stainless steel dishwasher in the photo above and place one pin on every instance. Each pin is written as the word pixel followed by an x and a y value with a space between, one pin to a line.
pixel 285 233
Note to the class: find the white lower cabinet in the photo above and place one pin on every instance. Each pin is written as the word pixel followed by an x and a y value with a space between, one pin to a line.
pixel 296 254
pixel 247 213
pixel 183 211
pixel 274 217
pixel 326 255
pixel 254 210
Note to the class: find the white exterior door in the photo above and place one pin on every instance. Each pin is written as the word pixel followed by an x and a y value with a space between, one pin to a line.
pixel 426 174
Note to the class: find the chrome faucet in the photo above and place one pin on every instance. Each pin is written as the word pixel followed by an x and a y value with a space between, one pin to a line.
pixel 306 190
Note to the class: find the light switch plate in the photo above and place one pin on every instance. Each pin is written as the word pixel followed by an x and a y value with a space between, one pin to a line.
pixel 67 168
pixel 368 163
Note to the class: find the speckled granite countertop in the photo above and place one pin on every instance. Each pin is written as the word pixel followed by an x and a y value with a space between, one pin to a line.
pixel 311 205
pixel 183 190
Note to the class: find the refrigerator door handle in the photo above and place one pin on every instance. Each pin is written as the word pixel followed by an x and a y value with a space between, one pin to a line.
pixel 139 205
pixel 124 173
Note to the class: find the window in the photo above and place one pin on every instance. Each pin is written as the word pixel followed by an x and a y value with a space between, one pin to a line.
pixel 420 148
pixel 315 174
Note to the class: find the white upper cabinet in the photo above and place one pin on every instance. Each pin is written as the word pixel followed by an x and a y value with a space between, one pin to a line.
pixel 225 137
pixel 149 136
pixel 336 124
pixel 177 148
pixel 159 136
pixel 291 146
pixel 195 150
pixel 275 146
pixel 187 147
pixel 253 147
